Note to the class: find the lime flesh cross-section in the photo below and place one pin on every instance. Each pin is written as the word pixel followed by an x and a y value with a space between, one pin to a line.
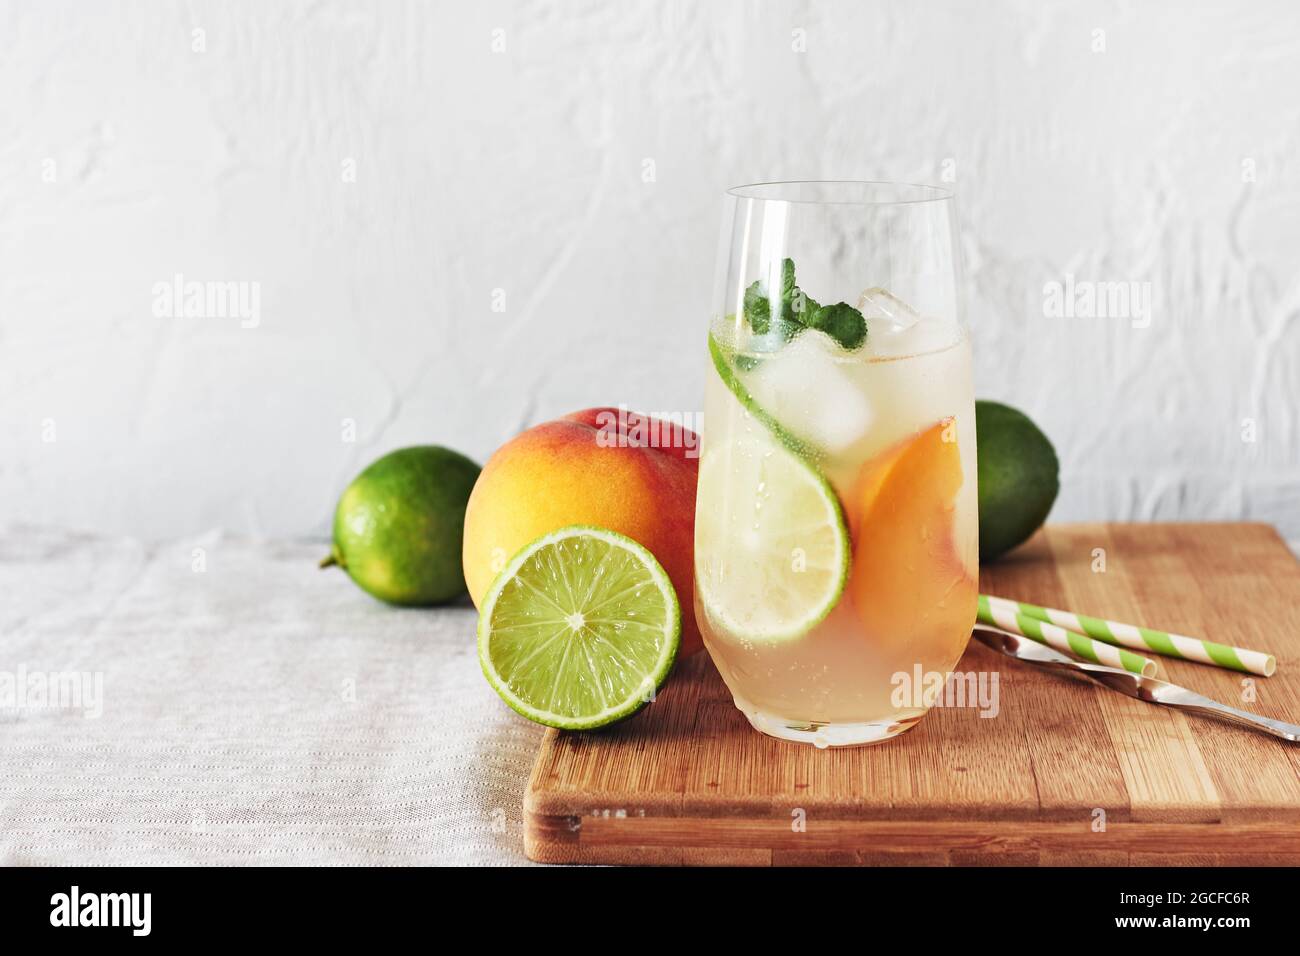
pixel 580 629
pixel 773 566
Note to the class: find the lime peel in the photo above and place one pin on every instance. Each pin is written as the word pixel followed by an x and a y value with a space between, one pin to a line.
pixel 731 378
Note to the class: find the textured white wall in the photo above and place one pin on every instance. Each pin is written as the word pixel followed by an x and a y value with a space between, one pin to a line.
pixel 127 156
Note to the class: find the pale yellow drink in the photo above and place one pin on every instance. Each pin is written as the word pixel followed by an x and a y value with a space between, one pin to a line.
pixel 890 428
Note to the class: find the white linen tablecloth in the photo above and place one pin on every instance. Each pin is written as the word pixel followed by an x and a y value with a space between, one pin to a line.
pixel 254 710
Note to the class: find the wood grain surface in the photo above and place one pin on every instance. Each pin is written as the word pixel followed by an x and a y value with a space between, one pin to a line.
pixel 1066 773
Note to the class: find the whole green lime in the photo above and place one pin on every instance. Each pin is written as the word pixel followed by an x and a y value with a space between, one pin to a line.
pixel 1018 477
pixel 398 527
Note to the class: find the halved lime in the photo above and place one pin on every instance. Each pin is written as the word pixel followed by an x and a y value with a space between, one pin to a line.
pixel 579 629
pixel 772 552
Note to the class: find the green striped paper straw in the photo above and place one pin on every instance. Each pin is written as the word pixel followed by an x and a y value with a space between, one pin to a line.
pixel 1145 639
pixel 1058 637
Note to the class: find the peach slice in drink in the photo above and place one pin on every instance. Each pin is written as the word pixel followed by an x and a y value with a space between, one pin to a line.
pixel 908 582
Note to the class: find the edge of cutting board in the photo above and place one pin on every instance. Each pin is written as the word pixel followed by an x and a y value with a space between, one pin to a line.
pixel 770 842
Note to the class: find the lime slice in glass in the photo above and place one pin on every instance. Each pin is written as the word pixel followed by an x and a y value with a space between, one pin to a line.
pixel 723 365
pixel 772 555
pixel 579 629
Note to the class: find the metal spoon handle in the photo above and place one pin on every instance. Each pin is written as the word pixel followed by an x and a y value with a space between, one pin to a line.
pixel 1171 695
pixel 1148 689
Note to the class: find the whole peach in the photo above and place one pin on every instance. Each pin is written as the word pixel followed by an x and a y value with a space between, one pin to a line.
pixel 602 466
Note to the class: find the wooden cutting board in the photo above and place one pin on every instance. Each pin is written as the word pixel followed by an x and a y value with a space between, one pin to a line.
pixel 1068 773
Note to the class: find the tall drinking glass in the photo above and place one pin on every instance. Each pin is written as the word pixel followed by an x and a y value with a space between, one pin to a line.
pixel 836 540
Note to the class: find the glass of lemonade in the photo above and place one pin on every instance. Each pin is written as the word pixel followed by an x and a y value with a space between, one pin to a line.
pixel 836 533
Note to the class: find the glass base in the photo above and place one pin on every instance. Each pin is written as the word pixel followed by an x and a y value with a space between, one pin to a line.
pixel 822 736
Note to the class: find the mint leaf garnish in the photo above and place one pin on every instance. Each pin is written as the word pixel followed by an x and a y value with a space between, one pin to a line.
pixel 758 313
pixel 795 311
pixel 788 289
pixel 841 322
pixel 760 307
pixel 802 306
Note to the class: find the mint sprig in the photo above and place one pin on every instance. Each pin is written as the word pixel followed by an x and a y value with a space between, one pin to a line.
pixel 841 322
pixel 793 311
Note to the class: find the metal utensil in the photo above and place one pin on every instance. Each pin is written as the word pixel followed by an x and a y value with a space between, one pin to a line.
pixel 1149 689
